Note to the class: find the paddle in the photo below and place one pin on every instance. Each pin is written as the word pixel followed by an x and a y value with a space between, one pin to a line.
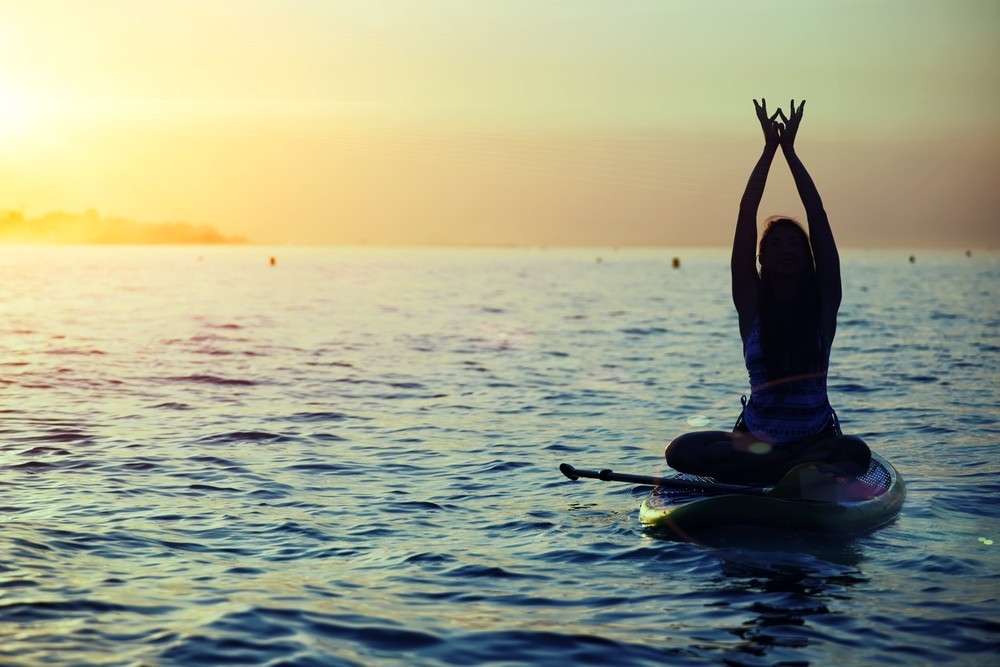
pixel 800 483
pixel 611 476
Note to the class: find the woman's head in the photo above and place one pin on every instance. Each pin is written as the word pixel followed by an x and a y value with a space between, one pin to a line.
pixel 784 248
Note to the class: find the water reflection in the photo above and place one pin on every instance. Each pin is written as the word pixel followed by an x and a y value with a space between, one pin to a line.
pixel 787 596
pixel 778 594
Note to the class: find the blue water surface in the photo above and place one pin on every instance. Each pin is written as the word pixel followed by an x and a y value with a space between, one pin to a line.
pixel 351 458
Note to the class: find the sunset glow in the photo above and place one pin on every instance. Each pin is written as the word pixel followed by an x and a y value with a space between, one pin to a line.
pixel 520 122
pixel 16 113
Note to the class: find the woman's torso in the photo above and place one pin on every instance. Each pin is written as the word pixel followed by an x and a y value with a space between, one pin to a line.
pixel 785 409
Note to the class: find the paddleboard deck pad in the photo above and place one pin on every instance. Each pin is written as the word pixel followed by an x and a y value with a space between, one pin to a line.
pixel 844 507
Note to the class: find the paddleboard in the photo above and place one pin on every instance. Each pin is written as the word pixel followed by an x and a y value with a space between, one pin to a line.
pixel 829 507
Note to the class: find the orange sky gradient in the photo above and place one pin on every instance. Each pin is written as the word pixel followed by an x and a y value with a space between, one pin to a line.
pixel 565 122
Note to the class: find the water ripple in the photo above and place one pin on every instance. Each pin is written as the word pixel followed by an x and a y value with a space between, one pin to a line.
pixel 353 460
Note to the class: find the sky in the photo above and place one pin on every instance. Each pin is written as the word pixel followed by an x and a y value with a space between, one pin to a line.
pixel 526 122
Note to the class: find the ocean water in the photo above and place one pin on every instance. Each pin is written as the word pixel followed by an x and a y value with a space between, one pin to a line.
pixel 351 458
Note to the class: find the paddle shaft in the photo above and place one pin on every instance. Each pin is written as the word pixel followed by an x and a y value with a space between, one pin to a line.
pixel 611 476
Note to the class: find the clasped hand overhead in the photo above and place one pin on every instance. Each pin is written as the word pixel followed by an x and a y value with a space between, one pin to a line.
pixel 779 132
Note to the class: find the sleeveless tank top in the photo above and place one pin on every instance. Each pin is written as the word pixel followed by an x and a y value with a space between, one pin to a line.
pixel 782 410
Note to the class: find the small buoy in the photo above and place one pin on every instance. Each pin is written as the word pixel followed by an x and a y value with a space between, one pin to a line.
pixel 677 262
pixel 599 260
pixel 273 261
pixel 912 259
pixel 968 253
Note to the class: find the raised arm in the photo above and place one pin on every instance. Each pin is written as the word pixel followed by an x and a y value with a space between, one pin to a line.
pixel 744 260
pixel 820 234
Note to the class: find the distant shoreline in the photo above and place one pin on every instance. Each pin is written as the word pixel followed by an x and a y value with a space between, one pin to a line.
pixel 91 228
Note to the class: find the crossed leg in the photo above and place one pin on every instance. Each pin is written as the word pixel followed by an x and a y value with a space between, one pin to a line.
pixel 739 457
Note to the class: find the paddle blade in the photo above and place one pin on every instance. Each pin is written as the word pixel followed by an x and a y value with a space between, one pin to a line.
pixel 569 471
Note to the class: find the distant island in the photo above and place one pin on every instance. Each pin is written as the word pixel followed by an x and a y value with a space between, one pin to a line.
pixel 91 227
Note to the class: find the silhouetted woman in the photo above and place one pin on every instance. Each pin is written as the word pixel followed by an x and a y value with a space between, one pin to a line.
pixel 788 317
